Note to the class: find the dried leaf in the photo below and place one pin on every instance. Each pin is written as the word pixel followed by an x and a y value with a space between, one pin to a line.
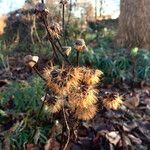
pixel 113 137
pixel 132 102
pixel 134 139
pixel 52 144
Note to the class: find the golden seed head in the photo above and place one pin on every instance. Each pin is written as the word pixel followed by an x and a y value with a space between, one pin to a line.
pixel 86 113
pixel 61 80
pixel 112 101
pixel 53 103
pixel 90 76
pixel 83 96
pixel 30 60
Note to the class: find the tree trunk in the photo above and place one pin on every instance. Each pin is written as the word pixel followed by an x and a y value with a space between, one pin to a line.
pixel 134 24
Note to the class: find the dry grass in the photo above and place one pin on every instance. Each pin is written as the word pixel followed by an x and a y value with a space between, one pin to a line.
pixel 134 24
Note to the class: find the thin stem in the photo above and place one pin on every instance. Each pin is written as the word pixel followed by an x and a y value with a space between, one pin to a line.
pixel 50 38
pixel 45 97
pixel 63 21
pixel 55 47
pixel 78 58
pixel 67 125
pixel 36 70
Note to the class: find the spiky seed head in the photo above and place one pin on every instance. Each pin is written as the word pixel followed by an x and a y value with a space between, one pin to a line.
pixel 61 80
pixel 82 97
pixel 30 60
pixel 112 101
pixel 90 76
pixel 53 102
pixel 86 113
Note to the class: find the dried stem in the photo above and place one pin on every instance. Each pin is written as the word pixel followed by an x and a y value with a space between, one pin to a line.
pixel 78 58
pixel 67 125
pixel 63 21
pixel 36 70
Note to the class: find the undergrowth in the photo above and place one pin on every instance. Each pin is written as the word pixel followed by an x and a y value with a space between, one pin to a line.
pixel 19 106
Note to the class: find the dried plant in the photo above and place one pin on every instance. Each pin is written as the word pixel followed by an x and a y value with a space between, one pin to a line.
pixel 112 101
pixel 70 89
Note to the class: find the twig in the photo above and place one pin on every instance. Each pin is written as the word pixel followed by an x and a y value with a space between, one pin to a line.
pixel 78 58
pixel 36 70
pixel 67 125
pixel 63 21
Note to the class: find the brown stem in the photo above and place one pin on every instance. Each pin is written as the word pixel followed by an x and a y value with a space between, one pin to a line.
pixel 54 46
pixel 78 58
pixel 36 70
pixel 67 125
pixel 63 21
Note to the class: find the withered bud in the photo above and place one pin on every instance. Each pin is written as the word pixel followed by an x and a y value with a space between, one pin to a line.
pixel 40 10
pixel 67 50
pixel 64 2
pixel 30 60
pixel 80 46
pixel 56 27
pixel 40 7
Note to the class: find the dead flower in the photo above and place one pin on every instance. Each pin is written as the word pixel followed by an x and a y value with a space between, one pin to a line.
pixel 112 101
pixel 30 60
pixel 80 46
pixel 61 80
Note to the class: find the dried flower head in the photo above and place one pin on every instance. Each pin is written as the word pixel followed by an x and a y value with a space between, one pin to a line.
pixel 61 80
pixel 83 96
pixel 80 46
pixel 40 10
pixel 30 60
pixel 112 101
pixel 55 29
pixel 53 102
pixel 64 2
pixel 86 113
pixel 91 76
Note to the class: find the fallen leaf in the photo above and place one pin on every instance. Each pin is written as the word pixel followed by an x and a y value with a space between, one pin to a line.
pixel 113 137
pixel 134 139
pixel 52 144
pixel 132 102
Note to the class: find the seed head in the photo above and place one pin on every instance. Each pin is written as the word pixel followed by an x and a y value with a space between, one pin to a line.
pixel 61 80
pixel 80 46
pixel 83 96
pixel 112 101
pixel 86 113
pixel 53 103
pixel 40 10
pixel 30 60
